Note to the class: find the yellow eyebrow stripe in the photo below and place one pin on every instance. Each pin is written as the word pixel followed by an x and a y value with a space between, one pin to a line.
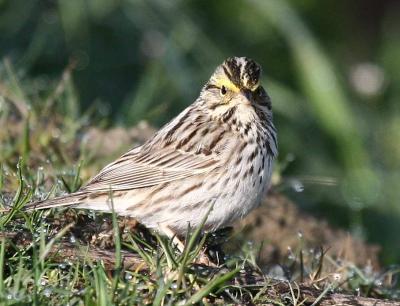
pixel 227 83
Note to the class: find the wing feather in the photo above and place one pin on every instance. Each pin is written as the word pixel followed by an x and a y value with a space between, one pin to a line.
pixel 138 169
pixel 154 163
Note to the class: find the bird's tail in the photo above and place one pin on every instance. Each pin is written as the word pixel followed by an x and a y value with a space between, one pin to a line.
pixel 80 199
pixel 72 199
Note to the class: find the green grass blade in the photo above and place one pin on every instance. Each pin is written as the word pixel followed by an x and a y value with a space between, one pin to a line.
pixel 168 251
pixel 161 291
pixel 100 287
pixel 19 199
pixel 2 251
pixel 146 256
pixel 193 238
pixel 190 245
pixel 25 139
pixel 117 242
pixel 1 176
pixel 117 238
pixel 211 286
pixel 45 249
pixel 76 183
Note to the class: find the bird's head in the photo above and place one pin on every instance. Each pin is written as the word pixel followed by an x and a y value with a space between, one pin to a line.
pixel 234 92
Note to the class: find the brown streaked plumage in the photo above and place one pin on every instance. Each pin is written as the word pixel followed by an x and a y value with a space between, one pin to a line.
pixel 219 151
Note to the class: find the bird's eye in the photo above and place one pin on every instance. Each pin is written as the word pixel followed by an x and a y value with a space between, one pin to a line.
pixel 223 91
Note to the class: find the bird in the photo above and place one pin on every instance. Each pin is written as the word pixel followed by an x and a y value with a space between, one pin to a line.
pixel 215 157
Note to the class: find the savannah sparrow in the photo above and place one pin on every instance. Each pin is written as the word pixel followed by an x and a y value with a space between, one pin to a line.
pixel 218 152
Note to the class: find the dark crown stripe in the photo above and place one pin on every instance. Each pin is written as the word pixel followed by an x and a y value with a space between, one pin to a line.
pixel 232 70
pixel 247 77
pixel 253 70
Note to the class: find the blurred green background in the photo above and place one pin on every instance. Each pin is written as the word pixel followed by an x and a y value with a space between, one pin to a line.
pixel 331 68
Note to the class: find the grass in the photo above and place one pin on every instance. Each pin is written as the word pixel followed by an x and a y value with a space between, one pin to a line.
pixel 31 273
pixel 43 152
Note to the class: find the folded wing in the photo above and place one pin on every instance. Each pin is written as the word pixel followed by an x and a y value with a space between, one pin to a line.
pixel 146 168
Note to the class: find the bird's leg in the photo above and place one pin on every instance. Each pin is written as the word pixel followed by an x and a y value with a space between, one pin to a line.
pixel 204 258
pixel 171 235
